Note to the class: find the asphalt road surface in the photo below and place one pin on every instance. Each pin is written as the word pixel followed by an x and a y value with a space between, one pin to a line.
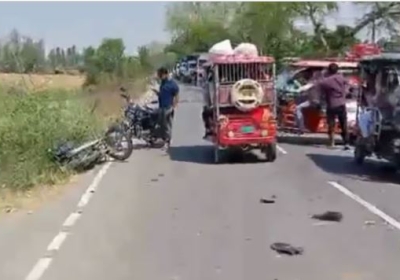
pixel 180 217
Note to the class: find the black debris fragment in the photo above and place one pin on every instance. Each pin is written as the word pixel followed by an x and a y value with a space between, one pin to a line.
pixel 287 249
pixel 154 180
pixel 330 216
pixel 267 201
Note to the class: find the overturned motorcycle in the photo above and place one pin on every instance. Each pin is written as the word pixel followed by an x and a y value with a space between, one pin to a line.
pixel 91 153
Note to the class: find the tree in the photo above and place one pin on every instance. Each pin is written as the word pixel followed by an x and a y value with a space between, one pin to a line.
pixel 316 12
pixel 381 16
pixel 109 54
pixel 144 57
pixel 196 26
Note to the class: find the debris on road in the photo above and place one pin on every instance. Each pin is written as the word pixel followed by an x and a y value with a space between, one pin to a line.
pixel 329 216
pixel 9 209
pixel 267 201
pixel 320 224
pixel 154 180
pixel 369 223
pixel 287 249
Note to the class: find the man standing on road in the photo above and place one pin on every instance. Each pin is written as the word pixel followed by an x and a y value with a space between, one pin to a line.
pixel 168 98
pixel 334 87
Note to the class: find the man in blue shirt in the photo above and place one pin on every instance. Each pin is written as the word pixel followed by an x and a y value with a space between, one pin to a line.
pixel 168 98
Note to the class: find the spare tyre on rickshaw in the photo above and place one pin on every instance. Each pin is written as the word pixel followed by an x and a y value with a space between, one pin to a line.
pixel 378 110
pixel 293 89
pixel 239 111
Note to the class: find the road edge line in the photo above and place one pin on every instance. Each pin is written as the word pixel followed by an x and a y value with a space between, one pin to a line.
pixel 370 207
pixel 55 244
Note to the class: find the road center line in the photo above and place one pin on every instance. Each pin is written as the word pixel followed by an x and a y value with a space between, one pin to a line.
pixel 38 270
pixel 57 241
pixel 373 209
pixel 44 263
pixel 71 219
pixel 281 150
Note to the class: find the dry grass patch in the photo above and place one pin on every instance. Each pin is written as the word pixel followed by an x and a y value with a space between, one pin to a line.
pixel 39 82
pixel 106 101
pixel 31 200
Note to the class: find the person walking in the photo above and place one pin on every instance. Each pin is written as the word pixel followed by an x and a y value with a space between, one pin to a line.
pixel 168 98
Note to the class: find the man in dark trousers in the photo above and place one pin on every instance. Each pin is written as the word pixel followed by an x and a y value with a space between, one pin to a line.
pixel 334 88
pixel 168 98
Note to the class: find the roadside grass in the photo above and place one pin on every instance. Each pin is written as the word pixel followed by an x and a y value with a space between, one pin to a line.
pixel 29 126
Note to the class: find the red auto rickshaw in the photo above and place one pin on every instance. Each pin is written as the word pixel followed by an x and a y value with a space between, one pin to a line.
pixel 242 104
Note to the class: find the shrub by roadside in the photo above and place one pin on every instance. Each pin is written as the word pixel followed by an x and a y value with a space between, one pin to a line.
pixel 29 126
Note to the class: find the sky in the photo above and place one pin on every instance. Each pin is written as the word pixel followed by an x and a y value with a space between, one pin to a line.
pixel 87 23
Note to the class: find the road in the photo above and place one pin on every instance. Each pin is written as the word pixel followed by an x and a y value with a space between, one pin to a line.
pixel 180 217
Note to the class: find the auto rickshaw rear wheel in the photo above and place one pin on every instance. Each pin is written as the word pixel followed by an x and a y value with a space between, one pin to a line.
pixel 270 152
pixel 359 153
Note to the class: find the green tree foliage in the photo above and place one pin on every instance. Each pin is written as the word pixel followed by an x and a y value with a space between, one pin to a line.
pixel 272 26
pixel 107 62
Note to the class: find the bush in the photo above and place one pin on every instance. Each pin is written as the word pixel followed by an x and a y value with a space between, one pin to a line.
pixel 32 124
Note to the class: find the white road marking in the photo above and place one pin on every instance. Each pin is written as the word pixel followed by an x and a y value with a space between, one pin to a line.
pixel 373 209
pixel 57 241
pixel 281 150
pixel 39 269
pixel 71 219
pixel 43 263
pixel 85 199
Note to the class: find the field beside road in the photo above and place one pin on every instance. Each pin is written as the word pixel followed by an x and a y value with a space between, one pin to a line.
pixel 40 82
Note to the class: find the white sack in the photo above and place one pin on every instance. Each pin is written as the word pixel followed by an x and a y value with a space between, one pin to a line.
pixel 223 47
pixel 246 49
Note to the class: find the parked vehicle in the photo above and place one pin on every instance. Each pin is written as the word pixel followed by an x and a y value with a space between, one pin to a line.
pixel 314 118
pixel 140 122
pixel 378 111
pixel 241 106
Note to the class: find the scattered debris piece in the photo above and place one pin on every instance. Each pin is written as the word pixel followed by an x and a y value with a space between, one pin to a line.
pixel 154 180
pixel 369 223
pixel 161 175
pixel 319 224
pixel 329 216
pixel 9 209
pixel 267 201
pixel 287 249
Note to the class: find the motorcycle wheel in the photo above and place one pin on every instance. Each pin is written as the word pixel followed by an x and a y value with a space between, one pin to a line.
pixel 113 151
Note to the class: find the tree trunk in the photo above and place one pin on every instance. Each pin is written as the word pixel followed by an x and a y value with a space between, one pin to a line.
pixel 372 17
pixel 317 28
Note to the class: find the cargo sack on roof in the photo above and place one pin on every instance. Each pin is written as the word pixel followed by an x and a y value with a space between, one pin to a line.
pixel 246 49
pixel 223 48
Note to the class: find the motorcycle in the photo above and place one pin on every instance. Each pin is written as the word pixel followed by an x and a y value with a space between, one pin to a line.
pixel 90 153
pixel 140 122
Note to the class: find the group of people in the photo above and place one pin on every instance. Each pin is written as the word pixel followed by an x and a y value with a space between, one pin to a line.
pixel 330 88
